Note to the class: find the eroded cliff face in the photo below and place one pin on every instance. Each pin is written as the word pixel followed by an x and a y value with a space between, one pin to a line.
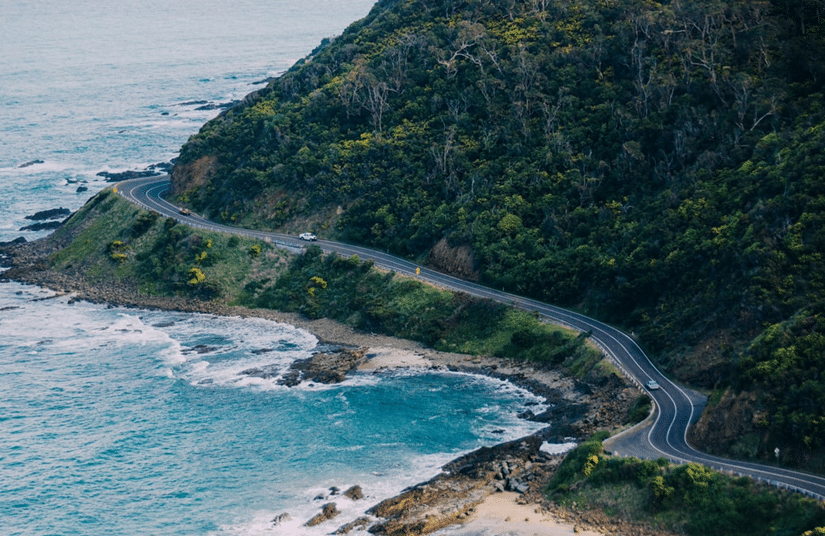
pixel 193 175
pixel 735 424
pixel 458 261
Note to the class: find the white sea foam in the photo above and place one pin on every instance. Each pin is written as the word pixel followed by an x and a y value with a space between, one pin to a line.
pixel 376 488
pixel 557 448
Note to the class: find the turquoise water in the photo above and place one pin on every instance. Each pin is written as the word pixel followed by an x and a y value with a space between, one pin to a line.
pixel 132 422
pixel 142 422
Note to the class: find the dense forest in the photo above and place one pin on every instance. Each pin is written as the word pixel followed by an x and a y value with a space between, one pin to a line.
pixel 660 166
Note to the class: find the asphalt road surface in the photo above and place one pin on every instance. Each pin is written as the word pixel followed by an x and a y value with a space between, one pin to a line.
pixel 676 407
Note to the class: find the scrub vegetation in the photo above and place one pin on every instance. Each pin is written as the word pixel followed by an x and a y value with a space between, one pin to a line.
pixel 115 243
pixel 656 165
pixel 686 499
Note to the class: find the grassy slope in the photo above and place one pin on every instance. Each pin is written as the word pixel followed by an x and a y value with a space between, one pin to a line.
pixel 111 242
pixel 114 241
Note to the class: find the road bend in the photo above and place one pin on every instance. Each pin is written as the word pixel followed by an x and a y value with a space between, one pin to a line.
pixel 676 406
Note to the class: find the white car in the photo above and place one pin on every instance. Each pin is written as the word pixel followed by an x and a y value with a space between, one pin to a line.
pixel 652 385
pixel 309 237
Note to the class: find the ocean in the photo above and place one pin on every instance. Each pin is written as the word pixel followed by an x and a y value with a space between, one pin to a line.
pixel 137 422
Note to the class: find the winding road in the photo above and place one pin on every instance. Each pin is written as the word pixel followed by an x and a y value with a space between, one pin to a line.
pixel 676 406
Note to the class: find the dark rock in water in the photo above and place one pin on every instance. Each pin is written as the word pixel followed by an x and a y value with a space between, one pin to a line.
pixel 265 373
pixel 218 106
pixel 126 175
pixel 261 82
pixel 324 367
pixel 355 493
pixel 44 226
pixel 81 189
pixel 164 167
pixel 328 511
pixel 193 103
pixel 199 349
pixel 30 163
pixel 280 518
pixel 152 171
pixel 51 214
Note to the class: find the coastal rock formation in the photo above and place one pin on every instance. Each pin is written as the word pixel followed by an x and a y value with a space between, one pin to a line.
pixel 280 518
pixel 51 214
pixel 46 219
pixel 359 523
pixel 42 226
pixel 328 511
pixel 324 367
pixel 151 171
pixel 451 496
pixel 355 493
pixel 217 105
pixel 30 163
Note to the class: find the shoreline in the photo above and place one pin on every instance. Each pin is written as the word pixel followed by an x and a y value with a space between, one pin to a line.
pixel 578 410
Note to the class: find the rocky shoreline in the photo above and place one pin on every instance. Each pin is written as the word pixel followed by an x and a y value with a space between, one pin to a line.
pixel 578 408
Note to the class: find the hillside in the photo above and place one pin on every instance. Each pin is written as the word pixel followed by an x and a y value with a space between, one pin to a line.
pixel 658 166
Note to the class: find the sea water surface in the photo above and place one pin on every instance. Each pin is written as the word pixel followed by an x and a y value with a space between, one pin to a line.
pixel 91 86
pixel 135 422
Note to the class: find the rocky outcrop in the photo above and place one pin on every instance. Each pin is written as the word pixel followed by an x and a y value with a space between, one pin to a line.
pixel 457 261
pixel 451 496
pixel 354 493
pixel 324 367
pixel 360 523
pixel 732 423
pixel 42 226
pixel 193 174
pixel 46 219
pixel 51 214
pixel 328 511
pixel 30 163
pixel 152 171
pixel 281 518
pixel 218 105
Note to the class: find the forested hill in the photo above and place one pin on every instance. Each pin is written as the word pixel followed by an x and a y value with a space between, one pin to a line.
pixel 659 166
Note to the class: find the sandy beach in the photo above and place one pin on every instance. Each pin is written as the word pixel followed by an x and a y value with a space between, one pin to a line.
pixel 500 514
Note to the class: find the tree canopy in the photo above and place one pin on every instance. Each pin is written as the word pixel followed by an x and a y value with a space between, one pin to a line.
pixel 658 165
